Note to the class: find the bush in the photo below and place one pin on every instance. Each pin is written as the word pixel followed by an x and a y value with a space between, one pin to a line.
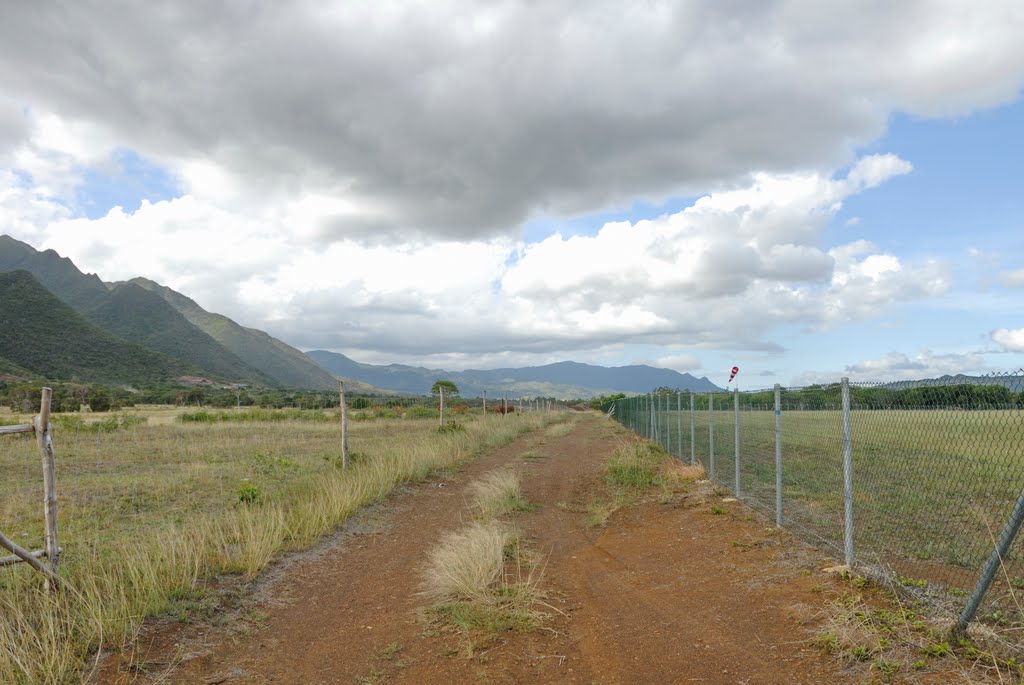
pixel 108 424
pixel 420 412
pixel 451 426
pixel 249 492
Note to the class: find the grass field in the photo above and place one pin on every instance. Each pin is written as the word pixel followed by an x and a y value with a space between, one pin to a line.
pixel 932 488
pixel 146 509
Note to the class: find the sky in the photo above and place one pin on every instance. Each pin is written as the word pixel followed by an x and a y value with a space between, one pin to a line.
pixel 806 190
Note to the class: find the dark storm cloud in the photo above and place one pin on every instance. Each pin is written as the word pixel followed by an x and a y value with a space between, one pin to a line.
pixel 463 119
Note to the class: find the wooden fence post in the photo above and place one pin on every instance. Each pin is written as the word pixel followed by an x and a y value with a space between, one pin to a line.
pixel 344 425
pixel 41 427
pixel 440 419
pixel 49 478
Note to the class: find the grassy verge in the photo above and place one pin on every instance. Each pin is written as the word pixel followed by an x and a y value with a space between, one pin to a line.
pixel 876 632
pixel 632 471
pixel 147 512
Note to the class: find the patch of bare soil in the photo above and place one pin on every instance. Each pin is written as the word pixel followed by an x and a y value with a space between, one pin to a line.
pixel 682 588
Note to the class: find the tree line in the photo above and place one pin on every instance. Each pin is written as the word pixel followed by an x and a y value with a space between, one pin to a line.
pixel 953 396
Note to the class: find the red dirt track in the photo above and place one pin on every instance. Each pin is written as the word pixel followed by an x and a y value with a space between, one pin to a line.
pixel 667 591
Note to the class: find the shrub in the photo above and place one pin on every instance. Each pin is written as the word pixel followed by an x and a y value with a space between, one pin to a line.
pixel 451 426
pixel 249 492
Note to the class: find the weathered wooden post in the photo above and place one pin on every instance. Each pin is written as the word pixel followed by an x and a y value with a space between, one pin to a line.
pixel 440 419
pixel 49 478
pixel 344 425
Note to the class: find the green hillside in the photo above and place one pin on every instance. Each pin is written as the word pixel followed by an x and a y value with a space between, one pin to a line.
pixel 9 368
pixel 280 361
pixel 156 317
pixel 42 334
pixel 141 316
pixel 59 275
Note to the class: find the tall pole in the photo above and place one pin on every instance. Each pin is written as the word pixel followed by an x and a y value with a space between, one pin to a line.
pixel 440 415
pixel 679 423
pixel 693 433
pixel 49 481
pixel 344 424
pixel 736 414
pixel 711 434
pixel 847 475
pixel 778 456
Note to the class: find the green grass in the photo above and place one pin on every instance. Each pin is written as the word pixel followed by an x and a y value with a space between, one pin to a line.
pixel 634 466
pixel 148 511
pixel 932 488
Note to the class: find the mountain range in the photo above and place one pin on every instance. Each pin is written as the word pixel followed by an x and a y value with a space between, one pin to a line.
pixel 187 339
pixel 562 380
pixel 59 323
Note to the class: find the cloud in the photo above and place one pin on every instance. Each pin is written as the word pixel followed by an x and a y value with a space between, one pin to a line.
pixel 896 366
pixel 1010 340
pixel 461 120
pixel 723 273
pixel 679 362
pixel 1012 279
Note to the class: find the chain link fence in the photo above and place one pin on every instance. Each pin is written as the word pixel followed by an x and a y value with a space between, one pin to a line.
pixel 918 481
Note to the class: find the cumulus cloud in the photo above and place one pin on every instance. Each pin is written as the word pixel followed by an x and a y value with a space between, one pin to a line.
pixel 679 362
pixel 722 273
pixel 1012 279
pixel 461 120
pixel 1010 340
pixel 896 366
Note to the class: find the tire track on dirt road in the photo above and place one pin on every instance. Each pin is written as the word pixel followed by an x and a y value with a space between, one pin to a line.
pixel 326 615
pixel 657 595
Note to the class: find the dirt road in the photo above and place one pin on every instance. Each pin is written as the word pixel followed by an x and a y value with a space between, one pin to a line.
pixel 684 589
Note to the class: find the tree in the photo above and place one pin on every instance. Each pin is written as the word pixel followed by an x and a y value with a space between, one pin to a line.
pixel 450 389
pixel 444 389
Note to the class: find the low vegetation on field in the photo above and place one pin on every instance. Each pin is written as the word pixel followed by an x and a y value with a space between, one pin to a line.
pixel 874 630
pixel 147 512
pixel 932 487
pixel 632 471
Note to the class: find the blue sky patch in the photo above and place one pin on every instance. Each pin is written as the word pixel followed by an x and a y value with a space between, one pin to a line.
pixel 125 182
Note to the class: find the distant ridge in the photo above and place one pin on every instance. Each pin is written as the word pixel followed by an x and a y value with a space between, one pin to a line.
pixel 141 316
pixel 43 335
pixel 564 380
pixel 277 359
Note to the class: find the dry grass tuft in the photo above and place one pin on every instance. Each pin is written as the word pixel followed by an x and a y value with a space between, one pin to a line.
pixel 497 493
pixel 682 473
pixel 560 430
pixel 466 563
pixel 476 579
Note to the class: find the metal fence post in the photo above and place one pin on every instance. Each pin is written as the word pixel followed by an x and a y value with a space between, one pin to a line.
pixel 650 417
pixel 736 417
pixel 778 456
pixel 988 574
pixel 711 435
pixel 668 424
pixel 693 433
pixel 679 423
pixel 847 475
